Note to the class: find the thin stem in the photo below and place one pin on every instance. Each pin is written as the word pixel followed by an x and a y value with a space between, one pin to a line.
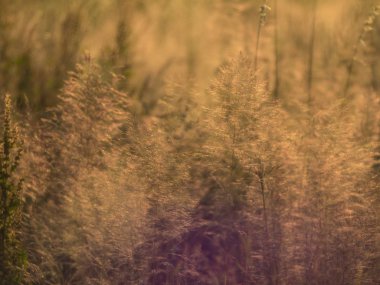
pixel 276 91
pixel 257 45
pixel 311 57
pixel 271 276
pixel 263 14
pixel 350 68
pixel 262 188
pixel 368 25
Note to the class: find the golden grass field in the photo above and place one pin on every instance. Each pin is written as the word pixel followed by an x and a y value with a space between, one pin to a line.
pixel 180 142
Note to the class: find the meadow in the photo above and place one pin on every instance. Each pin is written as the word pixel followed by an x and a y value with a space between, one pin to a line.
pixel 179 142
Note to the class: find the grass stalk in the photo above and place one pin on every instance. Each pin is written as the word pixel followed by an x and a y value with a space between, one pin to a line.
pixel 276 90
pixel 311 57
pixel 263 14
pixel 367 27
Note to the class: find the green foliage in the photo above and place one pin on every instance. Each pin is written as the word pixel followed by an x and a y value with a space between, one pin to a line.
pixel 12 255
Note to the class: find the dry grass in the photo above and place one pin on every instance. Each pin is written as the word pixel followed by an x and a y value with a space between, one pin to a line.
pixel 196 142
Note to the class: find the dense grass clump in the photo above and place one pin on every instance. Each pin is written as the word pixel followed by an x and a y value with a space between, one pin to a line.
pixel 12 254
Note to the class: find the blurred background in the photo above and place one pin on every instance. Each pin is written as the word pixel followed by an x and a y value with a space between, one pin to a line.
pixel 42 40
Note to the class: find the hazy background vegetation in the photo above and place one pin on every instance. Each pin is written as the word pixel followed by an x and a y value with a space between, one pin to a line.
pixel 191 142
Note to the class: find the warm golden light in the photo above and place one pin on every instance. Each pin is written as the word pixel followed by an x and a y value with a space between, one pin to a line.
pixel 178 142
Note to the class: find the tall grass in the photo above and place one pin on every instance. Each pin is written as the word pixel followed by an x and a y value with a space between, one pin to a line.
pixel 311 55
pixel 361 41
pixel 264 8
pixel 155 152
